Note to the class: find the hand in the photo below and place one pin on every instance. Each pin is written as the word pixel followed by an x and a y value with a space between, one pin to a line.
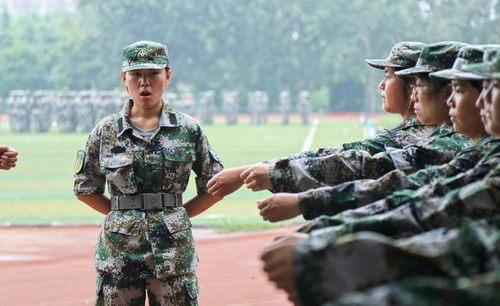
pixel 278 265
pixel 8 157
pixel 256 177
pixel 279 207
pixel 225 182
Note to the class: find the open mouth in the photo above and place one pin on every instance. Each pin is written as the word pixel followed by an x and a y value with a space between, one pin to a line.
pixel 145 93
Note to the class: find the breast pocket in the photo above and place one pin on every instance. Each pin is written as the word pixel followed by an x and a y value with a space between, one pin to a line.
pixel 178 164
pixel 119 172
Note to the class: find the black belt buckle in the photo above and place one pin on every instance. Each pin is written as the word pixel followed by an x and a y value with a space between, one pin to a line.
pixel 152 201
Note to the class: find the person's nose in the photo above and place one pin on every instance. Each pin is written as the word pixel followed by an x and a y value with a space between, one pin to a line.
pixel 450 102
pixel 381 85
pixel 480 99
pixel 144 80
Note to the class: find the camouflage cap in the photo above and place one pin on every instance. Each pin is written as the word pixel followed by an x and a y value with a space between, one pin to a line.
pixel 144 55
pixel 434 57
pixel 467 55
pixel 403 55
pixel 490 67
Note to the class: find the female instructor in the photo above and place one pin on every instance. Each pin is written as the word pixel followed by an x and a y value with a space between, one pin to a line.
pixel 145 153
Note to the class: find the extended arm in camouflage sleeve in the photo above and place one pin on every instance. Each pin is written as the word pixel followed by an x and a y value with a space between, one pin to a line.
pixel 88 177
pixel 477 200
pixel 207 163
pixel 307 154
pixel 357 262
pixel 350 195
pixel 303 174
pixel 332 200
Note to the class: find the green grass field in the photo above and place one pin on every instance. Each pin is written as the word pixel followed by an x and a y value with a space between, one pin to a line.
pixel 40 188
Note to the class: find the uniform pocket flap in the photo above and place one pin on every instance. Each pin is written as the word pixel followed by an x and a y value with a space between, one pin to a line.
pixel 177 222
pixel 116 161
pixel 122 224
pixel 184 154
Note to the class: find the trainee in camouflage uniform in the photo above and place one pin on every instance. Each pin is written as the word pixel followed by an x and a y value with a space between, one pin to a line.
pixel 285 107
pixel 41 114
pixel 19 104
pixel 325 272
pixel 230 106
pixel 304 106
pixel 146 240
pixel 434 187
pixel 439 148
pixel 403 55
pixel 334 199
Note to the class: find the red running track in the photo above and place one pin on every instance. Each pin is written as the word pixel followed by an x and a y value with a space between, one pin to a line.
pixel 53 266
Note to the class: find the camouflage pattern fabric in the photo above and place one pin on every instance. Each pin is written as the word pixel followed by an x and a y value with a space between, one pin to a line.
pixel 478 290
pixel 303 174
pixel 174 291
pixel 410 131
pixel 342 267
pixel 144 55
pixel 490 67
pixel 435 57
pixel 403 55
pixel 467 55
pixel 332 200
pixel 145 244
pixel 478 199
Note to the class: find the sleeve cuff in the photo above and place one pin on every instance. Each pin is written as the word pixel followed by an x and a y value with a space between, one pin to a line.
pixel 201 184
pixel 306 275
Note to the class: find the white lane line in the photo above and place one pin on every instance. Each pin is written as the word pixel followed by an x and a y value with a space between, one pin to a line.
pixel 310 136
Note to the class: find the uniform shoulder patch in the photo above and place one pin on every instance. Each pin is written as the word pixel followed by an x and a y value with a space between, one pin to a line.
pixel 80 159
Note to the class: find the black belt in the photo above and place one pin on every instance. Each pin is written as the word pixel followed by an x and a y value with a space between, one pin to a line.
pixel 146 201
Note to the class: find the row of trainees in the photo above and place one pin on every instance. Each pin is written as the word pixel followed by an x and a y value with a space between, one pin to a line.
pixel 72 111
pixel 410 217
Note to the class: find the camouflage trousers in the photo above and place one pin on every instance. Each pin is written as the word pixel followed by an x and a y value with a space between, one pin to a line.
pixel 174 291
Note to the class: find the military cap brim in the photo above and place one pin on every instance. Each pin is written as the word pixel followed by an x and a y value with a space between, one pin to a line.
pixel 413 70
pixel 483 69
pixel 455 74
pixel 381 63
pixel 144 66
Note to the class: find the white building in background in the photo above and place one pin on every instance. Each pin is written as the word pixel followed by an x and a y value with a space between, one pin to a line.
pixel 19 7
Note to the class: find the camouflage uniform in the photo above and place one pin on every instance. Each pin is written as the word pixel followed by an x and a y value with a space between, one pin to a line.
pixel 304 106
pixel 65 111
pixel 149 249
pixel 19 104
pixel 285 107
pixel 331 200
pixel 473 194
pixel 303 174
pixel 325 272
pixel 230 106
pixel 85 111
pixel 41 114
pixel 207 106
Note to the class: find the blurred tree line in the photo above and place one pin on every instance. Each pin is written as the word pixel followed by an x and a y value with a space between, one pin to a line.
pixel 272 45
